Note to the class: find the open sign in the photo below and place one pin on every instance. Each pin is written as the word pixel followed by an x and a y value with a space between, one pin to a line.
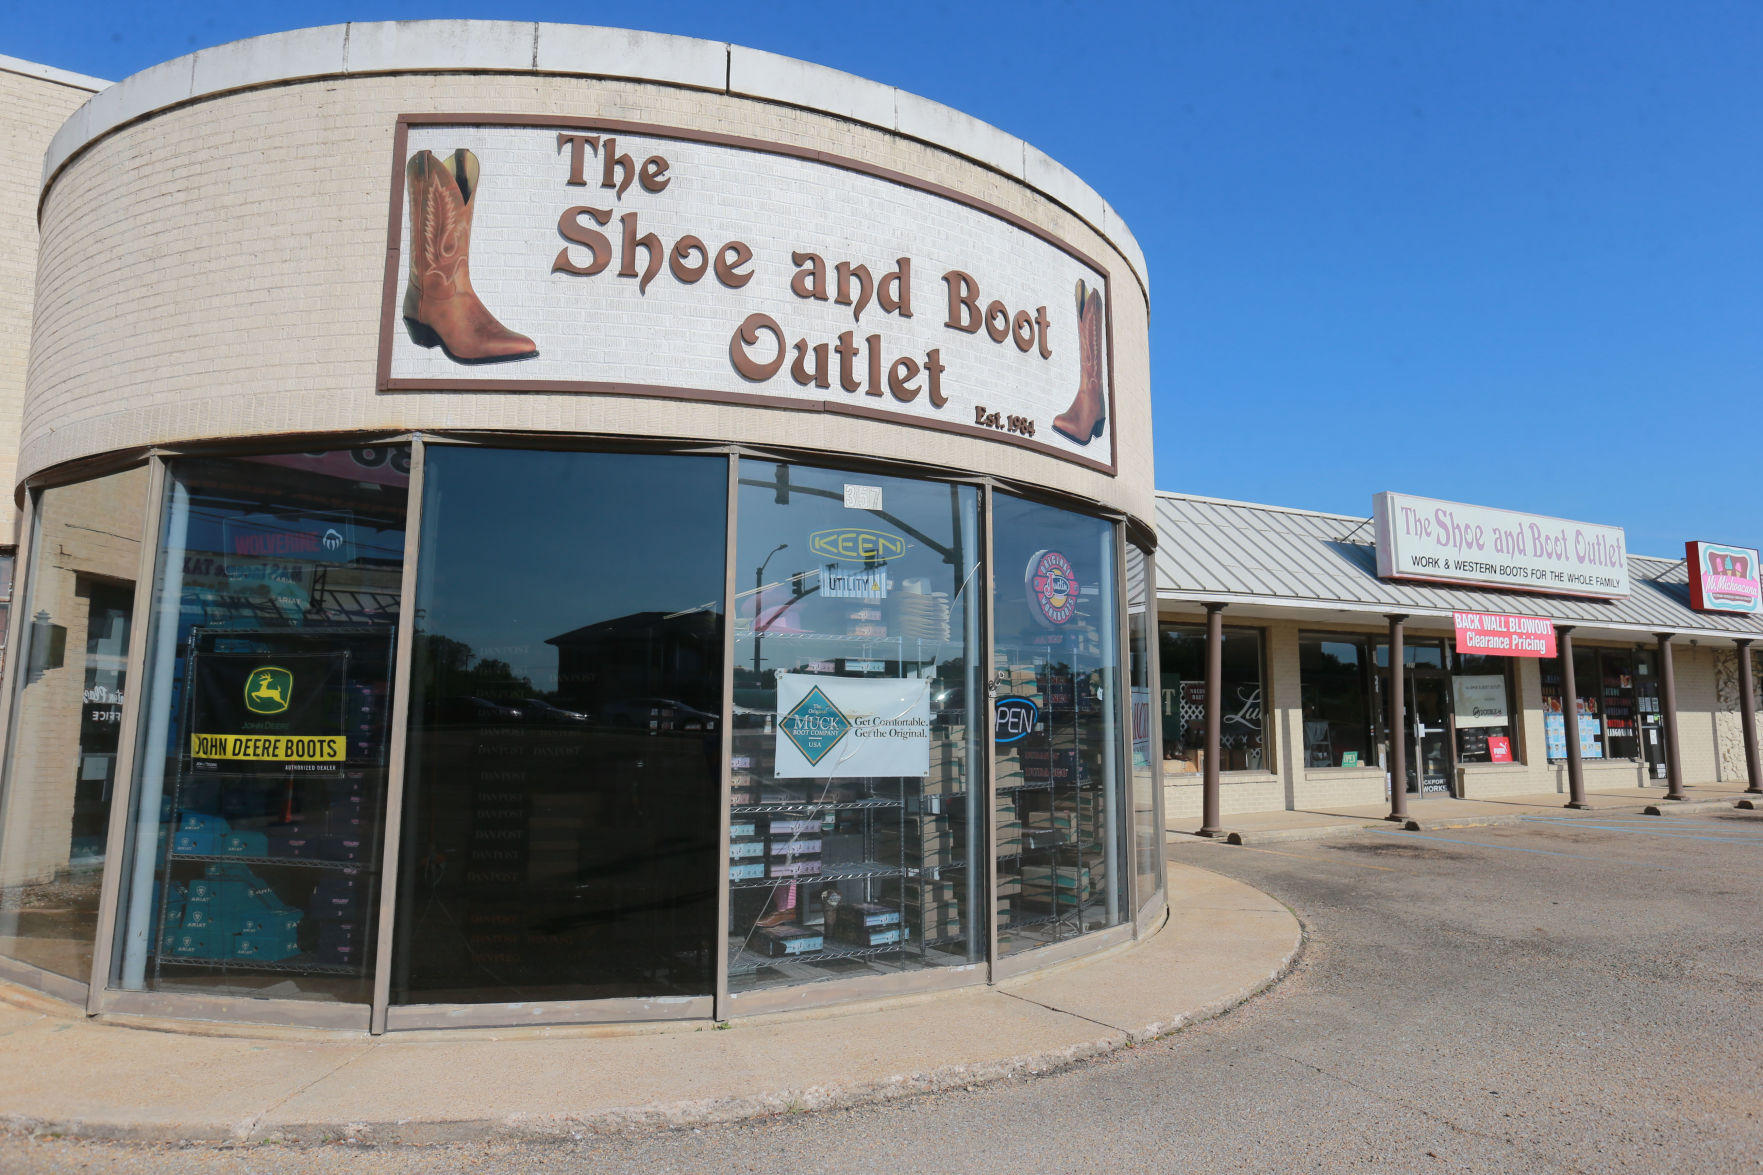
pixel 1016 718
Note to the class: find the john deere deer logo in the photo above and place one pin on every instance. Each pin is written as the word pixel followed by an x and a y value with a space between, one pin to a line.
pixel 268 689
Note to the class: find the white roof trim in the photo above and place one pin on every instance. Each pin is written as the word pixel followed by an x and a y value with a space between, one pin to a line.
pixel 534 47
pixel 48 73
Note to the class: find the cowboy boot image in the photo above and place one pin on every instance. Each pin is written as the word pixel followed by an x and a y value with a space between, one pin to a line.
pixel 1083 421
pixel 440 308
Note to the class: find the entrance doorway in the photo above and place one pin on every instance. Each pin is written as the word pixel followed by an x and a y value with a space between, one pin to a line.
pixel 1430 762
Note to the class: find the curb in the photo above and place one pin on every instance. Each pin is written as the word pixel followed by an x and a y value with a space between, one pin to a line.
pixel 1330 831
pixel 669 1115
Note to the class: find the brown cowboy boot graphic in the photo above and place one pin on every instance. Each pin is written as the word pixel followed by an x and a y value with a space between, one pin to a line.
pixel 1083 421
pixel 440 307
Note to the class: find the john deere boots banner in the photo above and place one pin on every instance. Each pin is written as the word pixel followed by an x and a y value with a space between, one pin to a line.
pixel 562 255
pixel 258 714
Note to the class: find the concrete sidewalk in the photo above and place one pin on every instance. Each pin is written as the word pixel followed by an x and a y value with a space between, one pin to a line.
pixel 1447 812
pixel 61 1073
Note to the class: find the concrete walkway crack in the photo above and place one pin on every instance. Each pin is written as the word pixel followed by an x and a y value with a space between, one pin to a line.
pixel 1430 1115
pixel 1068 1012
pixel 251 1130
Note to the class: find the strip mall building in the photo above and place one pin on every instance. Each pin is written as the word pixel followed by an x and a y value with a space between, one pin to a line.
pixel 536 524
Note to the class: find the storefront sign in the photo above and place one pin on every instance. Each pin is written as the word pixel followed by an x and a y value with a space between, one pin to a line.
pixel 1449 542
pixel 1052 588
pixel 255 713
pixel 1723 579
pixel 1495 635
pixel 551 254
pixel 852 727
pixel 1016 719
pixel 1499 748
pixel 1480 700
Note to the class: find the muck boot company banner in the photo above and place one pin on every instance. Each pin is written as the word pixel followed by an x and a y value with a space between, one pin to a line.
pixel 267 714
pixel 847 727
pixel 557 255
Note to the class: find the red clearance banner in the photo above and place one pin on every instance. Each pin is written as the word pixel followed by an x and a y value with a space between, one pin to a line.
pixel 1494 635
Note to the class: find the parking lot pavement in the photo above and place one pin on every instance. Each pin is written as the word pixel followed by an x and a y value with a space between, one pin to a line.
pixel 1557 995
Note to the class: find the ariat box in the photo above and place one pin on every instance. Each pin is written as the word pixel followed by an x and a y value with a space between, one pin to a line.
pixel 780 941
pixel 746 872
pixel 243 844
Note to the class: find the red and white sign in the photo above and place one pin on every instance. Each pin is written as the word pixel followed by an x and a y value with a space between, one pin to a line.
pixel 1494 635
pixel 1499 749
pixel 1722 578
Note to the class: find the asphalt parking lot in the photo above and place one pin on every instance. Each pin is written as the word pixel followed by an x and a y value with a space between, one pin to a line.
pixel 1566 994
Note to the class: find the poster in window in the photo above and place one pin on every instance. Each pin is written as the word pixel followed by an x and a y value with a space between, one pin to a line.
pixel 268 713
pixel 852 727
pixel 1480 700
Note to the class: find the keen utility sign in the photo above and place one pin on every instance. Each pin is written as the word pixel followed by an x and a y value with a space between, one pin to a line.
pixel 255 714
pixel 557 253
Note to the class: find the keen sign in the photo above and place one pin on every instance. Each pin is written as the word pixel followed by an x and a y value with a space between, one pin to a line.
pixel 542 254
pixel 1449 542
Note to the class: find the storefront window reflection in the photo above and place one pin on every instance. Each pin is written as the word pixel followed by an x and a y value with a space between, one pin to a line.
pixel 1337 682
pixel 1147 834
pixel 1059 825
pixel 72 681
pixel 560 801
pixel 264 738
pixel 855 839
pixel 1242 735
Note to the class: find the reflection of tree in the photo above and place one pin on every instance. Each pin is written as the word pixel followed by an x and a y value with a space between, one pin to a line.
pixel 451 669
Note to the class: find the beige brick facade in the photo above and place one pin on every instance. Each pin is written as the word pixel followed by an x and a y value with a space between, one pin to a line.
pixel 216 270
pixel 33 104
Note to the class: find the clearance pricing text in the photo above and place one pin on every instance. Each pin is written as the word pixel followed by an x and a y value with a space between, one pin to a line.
pixel 275 748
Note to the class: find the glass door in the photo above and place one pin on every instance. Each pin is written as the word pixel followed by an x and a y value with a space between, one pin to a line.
pixel 1430 761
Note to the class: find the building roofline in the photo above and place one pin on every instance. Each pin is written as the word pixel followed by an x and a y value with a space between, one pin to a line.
pixel 48 73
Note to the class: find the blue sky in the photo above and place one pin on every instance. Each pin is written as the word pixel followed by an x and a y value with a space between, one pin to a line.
pixel 1504 253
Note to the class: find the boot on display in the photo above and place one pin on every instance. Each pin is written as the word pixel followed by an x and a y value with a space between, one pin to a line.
pixel 440 307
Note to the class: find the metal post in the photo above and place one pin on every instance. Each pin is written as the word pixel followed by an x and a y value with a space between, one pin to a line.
pixel 1668 698
pixel 1748 718
pixel 1209 825
pixel 1570 717
pixel 1398 733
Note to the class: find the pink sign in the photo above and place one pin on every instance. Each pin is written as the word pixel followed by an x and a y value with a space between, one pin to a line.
pixel 1723 579
pixel 1494 635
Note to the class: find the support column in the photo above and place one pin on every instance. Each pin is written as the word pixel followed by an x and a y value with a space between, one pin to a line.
pixel 1398 731
pixel 1668 699
pixel 1748 719
pixel 1570 717
pixel 1209 821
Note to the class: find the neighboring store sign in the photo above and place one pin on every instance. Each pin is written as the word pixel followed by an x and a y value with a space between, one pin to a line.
pixel 1722 578
pixel 254 713
pixel 1493 634
pixel 1450 542
pixel 554 254
pixel 1480 700
pixel 851 727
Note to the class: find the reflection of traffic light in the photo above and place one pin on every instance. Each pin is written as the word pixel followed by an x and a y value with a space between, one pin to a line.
pixel 797 582
pixel 782 496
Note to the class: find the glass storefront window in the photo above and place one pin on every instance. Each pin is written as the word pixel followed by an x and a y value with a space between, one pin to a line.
pixel 1059 827
pixel 1336 683
pixel 856 833
pixel 1147 833
pixel 253 843
pixel 560 833
pixel 1482 714
pixel 1618 699
pixel 7 561
pixel 71 682
pixel 1242 736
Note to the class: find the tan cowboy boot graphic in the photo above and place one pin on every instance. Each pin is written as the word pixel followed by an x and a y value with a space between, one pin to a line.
pixel 440 307
pixel 1083 421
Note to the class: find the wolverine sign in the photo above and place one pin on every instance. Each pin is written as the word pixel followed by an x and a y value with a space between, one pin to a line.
pixel 562 255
